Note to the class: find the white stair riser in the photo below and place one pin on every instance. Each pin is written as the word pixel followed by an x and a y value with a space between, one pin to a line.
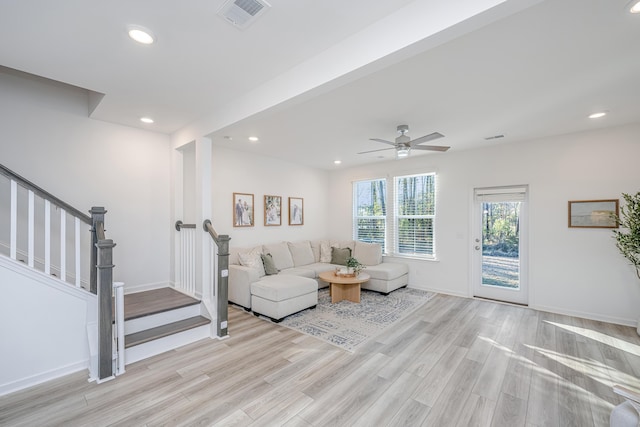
pixel 159 319
pixel 161 345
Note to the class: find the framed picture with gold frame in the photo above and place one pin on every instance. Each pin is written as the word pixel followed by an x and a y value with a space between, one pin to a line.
pixel 593 213
pixel 272 210
pixel 243 213
pixel 296 211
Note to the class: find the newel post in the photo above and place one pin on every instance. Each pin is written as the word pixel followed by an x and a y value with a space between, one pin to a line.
pixel 105 309
pixel 97 216
pixel 223 284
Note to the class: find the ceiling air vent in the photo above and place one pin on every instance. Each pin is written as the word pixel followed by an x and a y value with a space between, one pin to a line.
pixel 242 13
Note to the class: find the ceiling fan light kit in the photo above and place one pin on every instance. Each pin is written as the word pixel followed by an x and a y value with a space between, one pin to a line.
pixel 402 152
pixel 403 143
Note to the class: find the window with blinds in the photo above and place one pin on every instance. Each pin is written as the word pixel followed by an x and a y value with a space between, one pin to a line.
pixel 370 211
pixel 408 226
pixel 415 213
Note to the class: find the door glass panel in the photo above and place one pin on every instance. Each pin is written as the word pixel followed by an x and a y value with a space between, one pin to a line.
pixel 501 244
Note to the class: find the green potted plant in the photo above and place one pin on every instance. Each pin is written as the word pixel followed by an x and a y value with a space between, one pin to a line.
pixel 628 242
pixel 355 265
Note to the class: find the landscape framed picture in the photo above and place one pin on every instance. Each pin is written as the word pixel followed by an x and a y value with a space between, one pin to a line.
pixel 593 213
pixel 243 210
pixel 296 211
pixel 272 210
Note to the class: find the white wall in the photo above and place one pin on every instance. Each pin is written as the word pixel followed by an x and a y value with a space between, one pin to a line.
pixel 47 137
pixel 573 271
pixel 240 172
pixel 43 328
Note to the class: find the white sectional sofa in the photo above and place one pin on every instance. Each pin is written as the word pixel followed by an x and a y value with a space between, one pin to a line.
pixel 250 285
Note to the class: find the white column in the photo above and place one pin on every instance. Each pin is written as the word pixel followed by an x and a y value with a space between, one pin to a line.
pixel 204 200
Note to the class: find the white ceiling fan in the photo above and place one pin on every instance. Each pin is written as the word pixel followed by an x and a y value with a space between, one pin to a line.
pixel 404 144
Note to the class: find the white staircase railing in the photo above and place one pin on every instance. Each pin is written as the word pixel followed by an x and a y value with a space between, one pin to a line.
pixel 187 273
pixel 52 242
pixel 42 238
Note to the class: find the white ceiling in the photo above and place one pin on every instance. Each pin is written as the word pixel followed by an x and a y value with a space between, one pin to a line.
pixel 346 71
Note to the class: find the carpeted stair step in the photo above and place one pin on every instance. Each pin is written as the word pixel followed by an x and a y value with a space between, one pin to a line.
pixel 164 330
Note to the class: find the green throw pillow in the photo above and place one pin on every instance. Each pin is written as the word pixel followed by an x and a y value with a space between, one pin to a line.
pixel 339 256
pixel 269 265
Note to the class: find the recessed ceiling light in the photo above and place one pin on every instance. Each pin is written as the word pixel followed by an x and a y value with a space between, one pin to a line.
pixel 598 115
pixel 147 120
pixel 337 162
pixel 141 34
pixel 635 7
pixel 253 139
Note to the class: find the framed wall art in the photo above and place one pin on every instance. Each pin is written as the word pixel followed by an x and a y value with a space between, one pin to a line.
pixel 593 213
pixel 296 211
pixel 243 210
pixel 272 210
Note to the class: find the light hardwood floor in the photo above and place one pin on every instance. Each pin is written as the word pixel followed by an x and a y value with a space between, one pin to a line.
pixel 453 362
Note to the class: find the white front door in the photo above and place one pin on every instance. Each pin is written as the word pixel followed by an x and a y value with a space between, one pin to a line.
pixel 500 244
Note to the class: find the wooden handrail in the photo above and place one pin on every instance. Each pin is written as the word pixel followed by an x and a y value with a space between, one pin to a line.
pixel 214 235
pixel 45 194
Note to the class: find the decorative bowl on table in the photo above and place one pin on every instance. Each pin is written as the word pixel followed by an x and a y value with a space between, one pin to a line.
pixel 344 272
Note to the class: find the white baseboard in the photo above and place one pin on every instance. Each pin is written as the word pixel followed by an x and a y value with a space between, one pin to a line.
pixel 439 291
pixel 43 377
pixel 585 315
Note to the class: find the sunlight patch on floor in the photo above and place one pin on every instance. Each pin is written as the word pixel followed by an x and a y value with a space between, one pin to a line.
pixel 600 337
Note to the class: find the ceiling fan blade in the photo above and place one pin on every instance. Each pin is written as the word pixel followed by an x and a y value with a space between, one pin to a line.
pixel 426 138
pixel 373 151
pixel 430 147
pixel 383 141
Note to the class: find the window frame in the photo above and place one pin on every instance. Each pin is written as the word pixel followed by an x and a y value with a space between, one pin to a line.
pixel 397 218
pixel 392 218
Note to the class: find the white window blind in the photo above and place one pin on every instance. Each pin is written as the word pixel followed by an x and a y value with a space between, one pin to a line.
pixel 414 215
pixel 502 194
pixel 370 211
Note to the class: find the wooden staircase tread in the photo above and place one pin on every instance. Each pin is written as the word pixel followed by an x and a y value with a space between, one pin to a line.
pixel 164 330
pixel 155 301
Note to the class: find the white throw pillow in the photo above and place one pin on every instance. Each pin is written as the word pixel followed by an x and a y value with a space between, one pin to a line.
pixel 301 253
pixel 325 251
pixel 368 253
pixel 252 260
pixel 280 254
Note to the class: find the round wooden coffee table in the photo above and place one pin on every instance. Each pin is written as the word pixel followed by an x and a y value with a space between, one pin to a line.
pixel 344 288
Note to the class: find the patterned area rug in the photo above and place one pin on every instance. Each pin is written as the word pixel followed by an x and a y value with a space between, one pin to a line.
pixel 347 324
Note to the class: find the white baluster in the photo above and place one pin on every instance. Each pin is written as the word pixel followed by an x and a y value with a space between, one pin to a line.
pixel 14 220
pixel 63 245
pixel 47 237
pixel 31 230
pixel 77 235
